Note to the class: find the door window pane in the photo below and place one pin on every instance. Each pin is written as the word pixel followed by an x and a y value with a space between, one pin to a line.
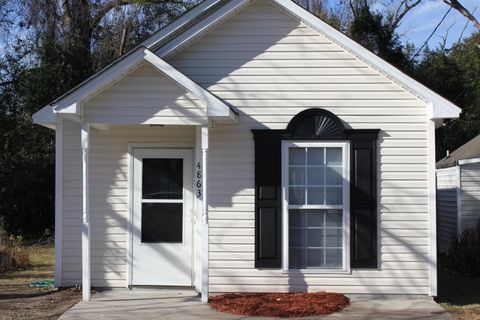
pixel 162 222
pixel 162 179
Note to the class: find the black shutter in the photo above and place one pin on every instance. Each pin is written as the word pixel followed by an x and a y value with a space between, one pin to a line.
pixel 268 164
pixel 363 198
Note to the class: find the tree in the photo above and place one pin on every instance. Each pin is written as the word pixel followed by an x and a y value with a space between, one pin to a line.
pixel 455 4
pixel 454 75
pixel 58 45
pixel 87 33
pixel 378 33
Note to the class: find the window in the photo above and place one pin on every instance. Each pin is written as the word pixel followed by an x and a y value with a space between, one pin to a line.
pixel 162 200
pixel 315 219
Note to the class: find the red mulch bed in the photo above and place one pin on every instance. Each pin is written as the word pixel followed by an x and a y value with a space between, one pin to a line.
pixel 279 304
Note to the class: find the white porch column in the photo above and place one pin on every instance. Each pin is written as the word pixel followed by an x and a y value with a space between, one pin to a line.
pixel 86 286
pixel 204 145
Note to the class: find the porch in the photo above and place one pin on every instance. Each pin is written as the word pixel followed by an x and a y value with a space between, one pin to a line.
pixel 103 134
pixel 186 305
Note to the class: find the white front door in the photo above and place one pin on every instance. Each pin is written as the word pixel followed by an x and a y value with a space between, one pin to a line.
pixel 162 217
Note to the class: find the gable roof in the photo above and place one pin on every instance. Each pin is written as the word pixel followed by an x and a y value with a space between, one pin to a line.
pixel 208 14
pixel 470 150
pixel 69 104
pixel 442 108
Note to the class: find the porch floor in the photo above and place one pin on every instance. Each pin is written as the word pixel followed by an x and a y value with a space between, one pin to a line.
pixel 185 305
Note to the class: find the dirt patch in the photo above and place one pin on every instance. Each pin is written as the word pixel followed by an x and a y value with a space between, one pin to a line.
pixel 20 301
pixel 280 304
pixel 37 305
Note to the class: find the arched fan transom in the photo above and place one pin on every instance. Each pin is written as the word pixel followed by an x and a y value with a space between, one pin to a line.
pixel 317 124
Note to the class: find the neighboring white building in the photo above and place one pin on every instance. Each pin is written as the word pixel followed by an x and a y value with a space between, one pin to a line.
pixel 248 147
pixel 458 192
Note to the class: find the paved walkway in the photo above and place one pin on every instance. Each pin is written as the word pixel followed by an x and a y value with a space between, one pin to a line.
pixel 185 305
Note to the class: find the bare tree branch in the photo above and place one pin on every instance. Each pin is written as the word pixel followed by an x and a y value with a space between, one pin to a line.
pixel 106 7
pixel 464 11
pixel 443 43
pixel 465 27
pixel 431 35
pixel 404 7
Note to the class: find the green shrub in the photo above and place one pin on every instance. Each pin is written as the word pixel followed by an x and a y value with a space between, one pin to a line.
pixel 464 253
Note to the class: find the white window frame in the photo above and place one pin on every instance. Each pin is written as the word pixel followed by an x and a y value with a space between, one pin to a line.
pixel 345 145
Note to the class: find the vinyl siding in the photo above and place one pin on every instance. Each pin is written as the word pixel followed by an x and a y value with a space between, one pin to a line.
pixel 447 210
pixel 108 198
pixel 72 205
pixel 145 96
pixel 270 67
pixel 470 203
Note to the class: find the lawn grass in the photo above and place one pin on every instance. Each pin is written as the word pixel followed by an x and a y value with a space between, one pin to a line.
pixel 459 294
pixel 41 256
pixel 42 261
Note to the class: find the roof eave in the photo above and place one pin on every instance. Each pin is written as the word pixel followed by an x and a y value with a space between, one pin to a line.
pixel 45 117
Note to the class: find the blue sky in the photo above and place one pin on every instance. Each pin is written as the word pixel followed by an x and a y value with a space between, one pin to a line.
pixel 421 21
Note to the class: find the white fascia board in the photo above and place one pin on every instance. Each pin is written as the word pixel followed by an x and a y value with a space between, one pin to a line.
pixel 202 27
pixel 215 107
pixel 468 161
pixel 45 117
pixel 71 104
pixel 442 108
pixel 445 171
pixel 156 39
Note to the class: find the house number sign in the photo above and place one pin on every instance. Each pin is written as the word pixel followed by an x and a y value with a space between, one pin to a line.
pixel 199 179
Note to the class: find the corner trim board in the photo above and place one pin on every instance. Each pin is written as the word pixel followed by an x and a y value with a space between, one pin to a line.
pixel 432 207
pixel 58 199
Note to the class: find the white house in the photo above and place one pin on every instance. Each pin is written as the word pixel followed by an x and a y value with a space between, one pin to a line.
pixel 458 192
pixel 247 147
